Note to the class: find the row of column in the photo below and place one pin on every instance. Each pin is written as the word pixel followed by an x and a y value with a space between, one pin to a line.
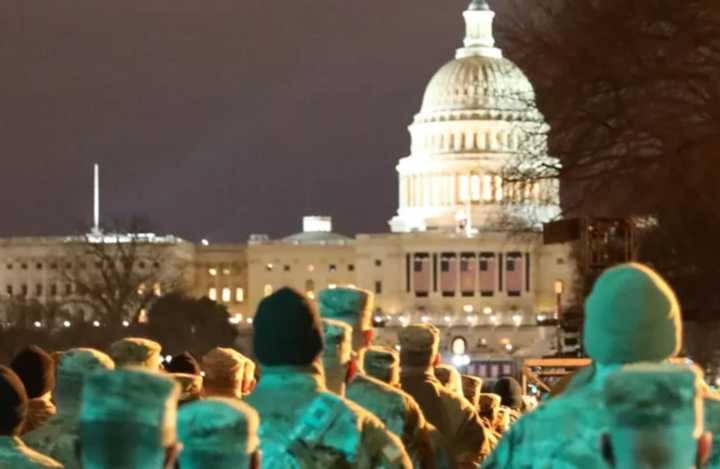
pixel 448 190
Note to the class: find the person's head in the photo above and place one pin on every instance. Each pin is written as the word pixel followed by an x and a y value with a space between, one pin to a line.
pixel 471 386
pixel 13 402
pixel 36 370
pixel 224 373
pixel 136 352
pixel 353 307
pixel 449 376
pixel 489 407
pixel 419 345
pixel 287 330
pixel 382 363
pixel 631 315
pixel 191 387
pixel 337 354
pixel 510 393
pixel 655 418
pixel 128 420
pixel 183 363
pixel 73 367
pixel 218 433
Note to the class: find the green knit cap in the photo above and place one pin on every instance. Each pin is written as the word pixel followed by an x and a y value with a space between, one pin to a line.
pixel 632 315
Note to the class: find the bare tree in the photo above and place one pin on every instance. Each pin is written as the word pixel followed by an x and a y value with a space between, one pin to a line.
pixel 631 91
pixel 116 275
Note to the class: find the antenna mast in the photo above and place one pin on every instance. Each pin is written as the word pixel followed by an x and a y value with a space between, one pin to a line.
pixel 96 199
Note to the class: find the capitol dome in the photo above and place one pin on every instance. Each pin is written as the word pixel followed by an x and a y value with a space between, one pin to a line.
pixel 477 119
pixel 478 87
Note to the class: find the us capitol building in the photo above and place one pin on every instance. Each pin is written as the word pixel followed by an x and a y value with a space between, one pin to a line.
pixel 464 251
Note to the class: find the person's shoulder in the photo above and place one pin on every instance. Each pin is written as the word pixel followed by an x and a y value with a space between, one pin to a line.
pixel 367 384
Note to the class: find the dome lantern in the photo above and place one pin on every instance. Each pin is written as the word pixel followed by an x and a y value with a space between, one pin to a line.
pixel 479 38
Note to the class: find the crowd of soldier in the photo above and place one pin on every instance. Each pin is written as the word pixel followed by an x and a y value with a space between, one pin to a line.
pixel 323 396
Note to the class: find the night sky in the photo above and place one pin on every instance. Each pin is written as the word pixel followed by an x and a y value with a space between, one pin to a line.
pixel 215 118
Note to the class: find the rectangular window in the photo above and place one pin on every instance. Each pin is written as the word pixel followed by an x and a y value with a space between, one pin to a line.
pixel 24 290
pixel 332 268
pixel 378 263
pixel 448 274
pixel 239 295
pixel 351 268
pixel 515 274
pixel 9 290
pixel 226 295
pixel 486 274
pixel 268 290
pixel 468 275
pixel 286 268
pixel 421 276
pixel 38 289
pixel 68 289
pixel 378 287
pixel 212 293
pixel 53 290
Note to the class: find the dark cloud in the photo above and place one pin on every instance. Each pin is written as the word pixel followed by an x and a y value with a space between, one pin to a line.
pixel 217 118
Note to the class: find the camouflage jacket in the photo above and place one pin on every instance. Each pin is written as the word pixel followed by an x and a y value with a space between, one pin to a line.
pixel 712 424
pixel 400 414
pixel 562 433
pixel 355 439
pixel 56 439
pixel 462 430
pixel 14 454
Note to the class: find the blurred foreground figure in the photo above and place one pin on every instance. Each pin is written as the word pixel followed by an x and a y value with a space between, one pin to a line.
pixel 350 309
pixel 471 387
pixel 656 418
pixel 511 398
pixel 224 373
pixel 14 454
pixel 128 419
pixel 382 363
pixel 137 352
pixel 449 376
pixel 301 423
pixel 36 370
pixel 631 316
pixel 450 412
pixel 186 371
pixel 219 434
pixel 58 437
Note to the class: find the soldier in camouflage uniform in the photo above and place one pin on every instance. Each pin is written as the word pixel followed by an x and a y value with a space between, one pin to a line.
pixel 472 386
pixel 459 424
pixel 397 410
pixel 36 369
pixel 224 373
pixel 655 418
pixel 136 351
pixel 631 316
pixel 14 454
pixel 449 376
pixel 58 436
pixel 128 420
pixel 302 424
pixel 219 433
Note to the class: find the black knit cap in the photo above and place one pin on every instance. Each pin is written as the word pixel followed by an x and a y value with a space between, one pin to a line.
pixel 36 369
pixel 183 363
pixel 510 392
pixel 13 402
pixel 287 330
